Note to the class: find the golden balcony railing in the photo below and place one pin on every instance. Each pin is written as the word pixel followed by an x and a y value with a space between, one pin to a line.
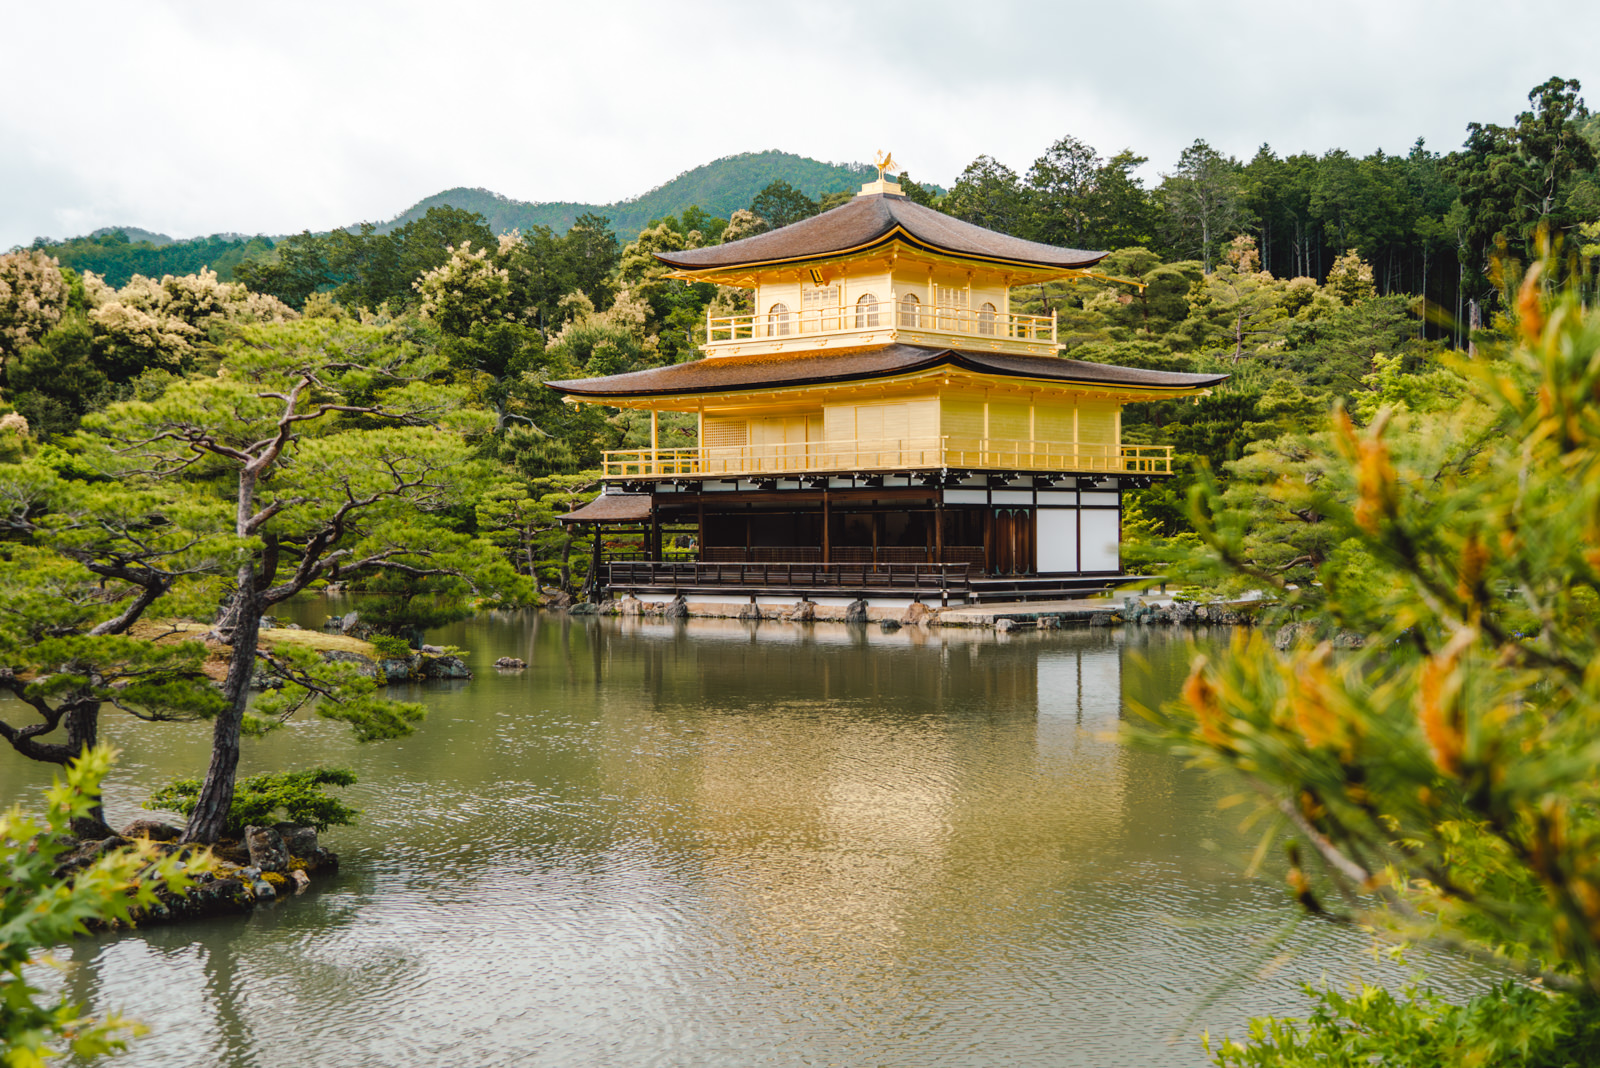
pixel 898 454
pixel 982 324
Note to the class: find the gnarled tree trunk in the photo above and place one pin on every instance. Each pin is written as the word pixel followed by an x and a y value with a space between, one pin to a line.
pixel 83 732
pixel 216 793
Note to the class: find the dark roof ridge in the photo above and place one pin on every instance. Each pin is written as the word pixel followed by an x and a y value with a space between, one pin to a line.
pixel 870 220
pixel 728 374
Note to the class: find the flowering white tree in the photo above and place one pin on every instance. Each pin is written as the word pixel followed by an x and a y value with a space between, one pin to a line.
pixel 150 323
pixel 33 297
pixel 468 288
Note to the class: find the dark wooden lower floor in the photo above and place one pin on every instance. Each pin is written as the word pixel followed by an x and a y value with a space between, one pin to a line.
pixel 1001 541
pixel 1007 533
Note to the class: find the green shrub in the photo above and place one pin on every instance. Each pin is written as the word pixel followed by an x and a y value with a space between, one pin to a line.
pixel 390 647
pixel 258 799
pixel 1514 1026
pixel 39 910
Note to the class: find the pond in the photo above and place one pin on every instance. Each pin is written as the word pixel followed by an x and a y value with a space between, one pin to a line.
pixel 722 843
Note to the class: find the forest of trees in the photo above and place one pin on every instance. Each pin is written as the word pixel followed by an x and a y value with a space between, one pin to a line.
pixel 1312 280
pixel 1426 221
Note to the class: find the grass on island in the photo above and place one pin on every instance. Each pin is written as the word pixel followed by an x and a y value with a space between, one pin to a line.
pixel 217 654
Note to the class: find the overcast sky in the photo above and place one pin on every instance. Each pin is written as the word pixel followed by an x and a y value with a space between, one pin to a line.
pixel 190 118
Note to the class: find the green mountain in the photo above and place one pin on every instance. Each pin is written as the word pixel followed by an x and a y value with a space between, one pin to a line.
pixel 116 254
pixel 138 236
pixel 720 187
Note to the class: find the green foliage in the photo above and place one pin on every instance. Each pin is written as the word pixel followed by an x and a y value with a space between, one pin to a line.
pixel 1203 202
pixel 390 647
pixel 39 910
pixel 522 518
pixel 782 204
pixel 325 449
pixel 56 381
pixel 1517 180
pixel 262 800
pixel 364 268
pixel 1514 1027
pixel 337 690
pixel 116 256
pixel 404 605
pixel 1444 778
pixel 989 194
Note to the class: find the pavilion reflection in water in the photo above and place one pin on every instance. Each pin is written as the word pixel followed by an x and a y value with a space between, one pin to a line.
pixel 955 772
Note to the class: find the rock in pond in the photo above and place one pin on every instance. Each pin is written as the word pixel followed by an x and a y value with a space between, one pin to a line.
pixel 266 847
pixel 511 663
pixel 445 667
pixel 154 830
pixel 299 840
pixel 916 612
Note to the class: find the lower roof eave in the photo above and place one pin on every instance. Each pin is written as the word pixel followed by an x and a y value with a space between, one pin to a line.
pixel 925 478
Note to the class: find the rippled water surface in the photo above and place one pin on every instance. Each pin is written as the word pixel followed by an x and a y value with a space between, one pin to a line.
pixel 723 844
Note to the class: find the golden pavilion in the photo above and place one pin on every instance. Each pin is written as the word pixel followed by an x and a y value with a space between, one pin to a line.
pixel 883 426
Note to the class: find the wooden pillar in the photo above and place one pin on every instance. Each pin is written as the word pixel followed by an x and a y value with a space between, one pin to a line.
pixel 654 546
pixel 938 527
pixel 1030 535
pixel 700 536
pixel 827 525
pixel 988 538
pixel 655 446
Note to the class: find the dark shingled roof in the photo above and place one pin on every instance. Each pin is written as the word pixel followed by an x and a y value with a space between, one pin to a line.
pixel 728 373
pixel 873 220
pixel 612 508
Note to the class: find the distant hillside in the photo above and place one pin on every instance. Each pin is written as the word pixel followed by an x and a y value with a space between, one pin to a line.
pixel 134 234
pixel 111 254
pixel 721 188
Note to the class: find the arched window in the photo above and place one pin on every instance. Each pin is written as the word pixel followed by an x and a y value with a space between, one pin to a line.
pixel 908 309
pixel 866 311
pixel 986 319
pixel 778 319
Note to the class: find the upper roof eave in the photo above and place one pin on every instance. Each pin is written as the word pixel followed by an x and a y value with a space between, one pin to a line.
pixel 869 222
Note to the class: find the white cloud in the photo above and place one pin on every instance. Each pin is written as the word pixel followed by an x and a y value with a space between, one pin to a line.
pixel 194 119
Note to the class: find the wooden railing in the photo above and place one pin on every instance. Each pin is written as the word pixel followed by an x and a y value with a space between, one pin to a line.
pixel 899 454
pixel 931 578
pixel 841 554
pixel 884 315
